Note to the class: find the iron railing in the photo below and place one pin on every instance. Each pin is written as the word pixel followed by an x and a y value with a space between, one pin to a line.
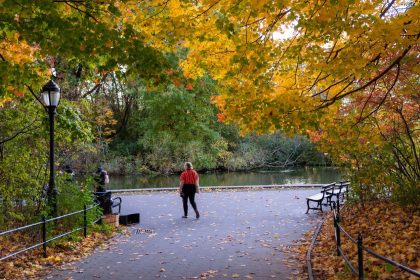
pixel 43 224
pixel 359 270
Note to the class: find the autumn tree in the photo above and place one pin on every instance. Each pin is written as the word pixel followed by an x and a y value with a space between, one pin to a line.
pixel 322 67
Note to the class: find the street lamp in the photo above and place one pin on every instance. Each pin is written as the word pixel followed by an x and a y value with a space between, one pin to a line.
pixel 51 95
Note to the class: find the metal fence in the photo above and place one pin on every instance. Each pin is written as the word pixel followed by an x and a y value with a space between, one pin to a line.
pixel 43 224
pixel 359 271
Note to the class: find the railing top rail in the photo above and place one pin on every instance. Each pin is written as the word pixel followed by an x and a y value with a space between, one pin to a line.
pixel 64 216
pixel 49 220
pixel 21 251
pixel 403 267
pixel 20 228
pixel 64 234
pixel 348 262
pixel 347 234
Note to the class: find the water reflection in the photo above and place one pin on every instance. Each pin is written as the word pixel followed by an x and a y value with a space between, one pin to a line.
pixel 307 175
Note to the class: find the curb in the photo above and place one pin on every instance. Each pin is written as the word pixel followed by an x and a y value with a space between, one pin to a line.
pixel 221 187
pixel 308 253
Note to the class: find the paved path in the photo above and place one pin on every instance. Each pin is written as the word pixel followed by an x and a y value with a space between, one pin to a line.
pixel 240 235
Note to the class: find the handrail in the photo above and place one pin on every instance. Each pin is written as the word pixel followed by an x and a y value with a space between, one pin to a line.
pixel 361 248
pixel 43 223
pixel 49 220
pixel 347 261
pixel 347 234
pixel 70 214
pixel 21 228
pixel 64 234
pixel 64 216
pixel 21 251
pixel 410 270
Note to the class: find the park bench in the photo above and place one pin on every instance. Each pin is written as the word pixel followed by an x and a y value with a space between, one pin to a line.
pixel 326 193
pixel 108 203
pixel 344 188
pixel 340 190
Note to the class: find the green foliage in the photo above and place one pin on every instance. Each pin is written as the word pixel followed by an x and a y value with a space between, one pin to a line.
pixel 120 163
pixel 273 150
pixel 22 160
pixel 24 153
pixel 71 198
pixel 176 122
pixel 95 41
pixel 170 125
pixel 173 124
pixel 71 125
pixel 389 267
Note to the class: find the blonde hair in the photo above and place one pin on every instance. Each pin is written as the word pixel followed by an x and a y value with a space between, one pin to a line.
pixel 188 165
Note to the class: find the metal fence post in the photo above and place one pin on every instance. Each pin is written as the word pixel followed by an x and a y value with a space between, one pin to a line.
pixel 337 236
pixel 338 209
pixel 44 236
pixel 84 221
pixel 360 255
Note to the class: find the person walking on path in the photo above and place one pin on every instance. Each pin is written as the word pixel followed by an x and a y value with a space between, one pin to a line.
pixel 188 187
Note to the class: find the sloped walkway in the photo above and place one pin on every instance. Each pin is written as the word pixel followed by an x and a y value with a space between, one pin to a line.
pixel 240 235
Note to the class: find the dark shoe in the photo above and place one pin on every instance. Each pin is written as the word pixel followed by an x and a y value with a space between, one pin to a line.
pixel 197 215
pixel 184 217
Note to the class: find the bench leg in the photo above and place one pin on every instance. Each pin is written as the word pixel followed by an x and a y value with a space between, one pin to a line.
pixel 318 205
pixel 307 203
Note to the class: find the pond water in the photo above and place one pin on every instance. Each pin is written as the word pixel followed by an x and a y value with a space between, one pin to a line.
pixel 306 175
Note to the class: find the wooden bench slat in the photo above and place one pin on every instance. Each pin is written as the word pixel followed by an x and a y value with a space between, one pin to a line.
pixel 317 196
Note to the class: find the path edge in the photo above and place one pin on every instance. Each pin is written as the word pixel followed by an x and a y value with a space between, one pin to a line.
pixel 311 246
pixel 274 186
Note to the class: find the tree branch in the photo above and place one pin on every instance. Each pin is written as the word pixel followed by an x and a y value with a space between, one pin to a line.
pixel 159 12
pixel 331 86
pixel 383 12
pixel 371 81
pixel 80 10
pixel 97 86
pixel 382 100
pixel 36 97
pixel 22 131
pixel 367 100
pixel 407 131
pixel 254 22
pixel 206 10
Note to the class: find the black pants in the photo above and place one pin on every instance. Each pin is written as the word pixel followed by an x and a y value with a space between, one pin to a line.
pixel 105 202
pixel 189 193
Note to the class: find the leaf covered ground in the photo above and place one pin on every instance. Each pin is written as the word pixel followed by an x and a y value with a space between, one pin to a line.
pixel 387 228
pixel 32 265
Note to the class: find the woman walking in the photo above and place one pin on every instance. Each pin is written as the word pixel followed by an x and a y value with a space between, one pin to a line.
pixel 188 186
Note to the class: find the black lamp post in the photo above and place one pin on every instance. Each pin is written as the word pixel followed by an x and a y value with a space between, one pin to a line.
pixel 51 95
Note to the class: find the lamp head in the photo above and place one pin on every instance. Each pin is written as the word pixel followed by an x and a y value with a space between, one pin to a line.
pixel 51 93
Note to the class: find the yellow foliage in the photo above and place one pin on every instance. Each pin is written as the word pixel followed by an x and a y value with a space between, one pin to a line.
pixel 4 101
